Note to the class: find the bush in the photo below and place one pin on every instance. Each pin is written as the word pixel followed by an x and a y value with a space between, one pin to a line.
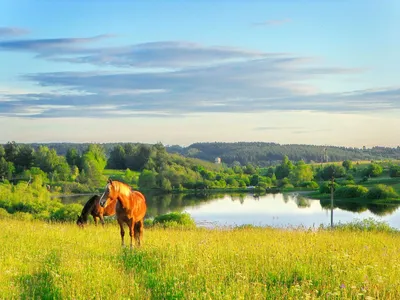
pixel 366 225
pixel 67 213
pixel 174 219
pixel 394 171
pixel 373 170
pixel 310 184
pixel 351 191
pixel 325 188
pixel 381 191
pixel 148 222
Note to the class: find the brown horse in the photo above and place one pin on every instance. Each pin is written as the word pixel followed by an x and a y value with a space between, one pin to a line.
pixel 93 207
pixel 130 208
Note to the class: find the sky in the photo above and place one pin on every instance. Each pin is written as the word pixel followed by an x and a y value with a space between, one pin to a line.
pixel 178 72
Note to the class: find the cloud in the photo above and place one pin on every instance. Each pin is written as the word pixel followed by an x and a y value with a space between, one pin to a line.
pixel 163 54
pixel 261 85
pixel 50 47
pixel 12 31
pixel 180 78
pixel 272 22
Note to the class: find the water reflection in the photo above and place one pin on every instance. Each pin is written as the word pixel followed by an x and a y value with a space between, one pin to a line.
pixel 291 209
pixel 377 209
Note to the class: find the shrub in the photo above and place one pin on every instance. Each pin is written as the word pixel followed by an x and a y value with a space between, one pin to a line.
pixel 373 170
pixel 366 225
pixel 310 184
pixel 174 219
pixel 351 191
pixel 67 213
pixel 148 222
pixel 381 191
pixel 325 188
pixel 394 171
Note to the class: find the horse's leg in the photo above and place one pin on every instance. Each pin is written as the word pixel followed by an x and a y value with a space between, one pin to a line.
pixel 101 220
pixel 139 232
pixel 131 225
pixel 122 231
pixel 95 220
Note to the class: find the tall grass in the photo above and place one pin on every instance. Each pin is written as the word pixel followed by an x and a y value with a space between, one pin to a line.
pixel 61 261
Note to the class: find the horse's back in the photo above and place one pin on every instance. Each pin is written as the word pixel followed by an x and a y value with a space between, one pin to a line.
pixel 132 206
pixel 141 205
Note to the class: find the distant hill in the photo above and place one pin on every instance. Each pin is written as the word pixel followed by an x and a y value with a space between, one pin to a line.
pixel 264 154
pixel 257 153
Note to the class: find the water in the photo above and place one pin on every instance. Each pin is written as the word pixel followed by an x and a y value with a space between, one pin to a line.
pixel 277 210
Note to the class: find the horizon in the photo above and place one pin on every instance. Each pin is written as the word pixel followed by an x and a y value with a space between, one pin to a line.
pixel 310 73
pixel 206 142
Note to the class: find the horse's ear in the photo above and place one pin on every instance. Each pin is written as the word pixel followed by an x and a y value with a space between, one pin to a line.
pixel 109 180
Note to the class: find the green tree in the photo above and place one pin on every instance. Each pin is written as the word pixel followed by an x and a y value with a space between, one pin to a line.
pixel 301 173
pixel 62 169
pixel 73 157
pixel 283 170
pixel 373 170
pixel 11 150
pixel 332 170
pixel 347 164
pixel 117 158
pixel 394 171
pixel 25 157
pixel 46 159
pixel 6 169
pixel 2 151
pixel 147 179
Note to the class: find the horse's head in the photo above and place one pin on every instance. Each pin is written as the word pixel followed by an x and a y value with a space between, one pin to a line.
pixel 80 222
pixel 108 193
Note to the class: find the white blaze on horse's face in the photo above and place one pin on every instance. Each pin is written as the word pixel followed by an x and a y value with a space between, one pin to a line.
pixel 103 198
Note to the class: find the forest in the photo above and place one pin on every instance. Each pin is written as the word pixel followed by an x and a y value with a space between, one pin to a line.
pixel 256 153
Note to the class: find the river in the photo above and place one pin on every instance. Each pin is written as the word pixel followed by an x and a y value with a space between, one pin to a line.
pixel 276 210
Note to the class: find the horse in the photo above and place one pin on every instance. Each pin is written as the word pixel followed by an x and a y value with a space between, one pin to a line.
pixel 130 208
pixel 93 207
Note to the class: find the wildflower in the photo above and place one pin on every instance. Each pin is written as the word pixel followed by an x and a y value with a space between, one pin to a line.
pixel 342 286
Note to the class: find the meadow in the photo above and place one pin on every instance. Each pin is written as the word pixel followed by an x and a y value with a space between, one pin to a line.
pixel 60 261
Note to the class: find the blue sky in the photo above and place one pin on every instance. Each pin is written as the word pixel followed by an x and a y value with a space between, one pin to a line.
pixel 313 72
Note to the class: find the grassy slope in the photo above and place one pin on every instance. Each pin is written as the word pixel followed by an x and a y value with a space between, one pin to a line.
pixel 62 261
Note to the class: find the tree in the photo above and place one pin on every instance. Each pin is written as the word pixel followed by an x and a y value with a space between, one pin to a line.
pixel 93 163
pixel 394 171
pixel 284 168
pixel 2 151
pixel 147 179
pixel 96 154
pixel 25 157
pixel 117 158
pixel 62 169
pixel 11 150
pixel 46 159
pixel 332 170
pixel 301 173
pixel 73 157
pixel 373 170
pixel 347 164
pixel 6 169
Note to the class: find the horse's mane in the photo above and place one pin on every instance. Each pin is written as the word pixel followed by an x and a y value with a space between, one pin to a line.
pixel 88 207
pixel 125 185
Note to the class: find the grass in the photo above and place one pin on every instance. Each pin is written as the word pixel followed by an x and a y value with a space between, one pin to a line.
pixel 61 261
